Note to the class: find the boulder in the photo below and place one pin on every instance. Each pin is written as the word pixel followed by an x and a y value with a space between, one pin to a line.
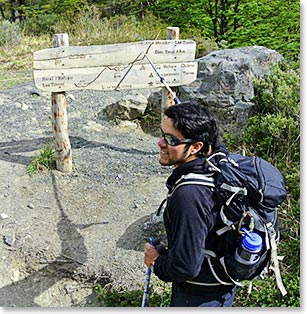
pixel 130 107
pixel 225 83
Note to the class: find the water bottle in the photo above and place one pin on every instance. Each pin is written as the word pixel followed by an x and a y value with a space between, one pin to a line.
pixel 248 252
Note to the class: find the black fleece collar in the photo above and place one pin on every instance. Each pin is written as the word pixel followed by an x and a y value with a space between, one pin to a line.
pixel 195 166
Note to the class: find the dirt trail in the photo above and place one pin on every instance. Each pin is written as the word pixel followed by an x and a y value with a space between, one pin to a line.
pixel 62 234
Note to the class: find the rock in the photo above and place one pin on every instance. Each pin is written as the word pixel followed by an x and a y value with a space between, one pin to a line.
pixel 128 125
pixel 16 275
pixel 153 221
pixel 35 92
pixel 93 126
pixel 24 106
pixel 130 107
pixel 225 83
pixel 154 102
pixel 9 240
pixel 71 96
pixel 4 216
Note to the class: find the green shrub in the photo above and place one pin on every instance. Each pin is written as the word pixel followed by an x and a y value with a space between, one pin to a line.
pixel 278 92
pixel 276 137
pixel 265 294
pixel 40 24
pixel 10 34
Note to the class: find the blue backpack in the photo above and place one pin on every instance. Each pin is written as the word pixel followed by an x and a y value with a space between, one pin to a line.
pixel 249 191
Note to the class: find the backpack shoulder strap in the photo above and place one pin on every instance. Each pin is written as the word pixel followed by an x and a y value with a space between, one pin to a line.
pixel 194 178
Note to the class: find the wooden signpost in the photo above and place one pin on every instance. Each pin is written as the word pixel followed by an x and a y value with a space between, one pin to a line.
pixel 108 67
pixel 119 66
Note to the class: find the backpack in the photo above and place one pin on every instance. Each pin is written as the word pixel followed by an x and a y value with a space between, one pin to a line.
pixel 248 191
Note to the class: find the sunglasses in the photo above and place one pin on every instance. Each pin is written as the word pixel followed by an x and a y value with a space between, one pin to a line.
pixel 174 141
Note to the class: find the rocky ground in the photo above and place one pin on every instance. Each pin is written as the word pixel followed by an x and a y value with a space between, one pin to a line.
pixel 62 234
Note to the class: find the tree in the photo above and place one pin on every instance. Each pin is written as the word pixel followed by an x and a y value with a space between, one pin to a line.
pixel 274 24
pixel 18 10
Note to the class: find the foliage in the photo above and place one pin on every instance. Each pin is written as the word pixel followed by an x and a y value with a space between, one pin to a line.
pixel 265 294
pixel 38 25
pixel 10 34
pixel 19 10
pixel 137 8
pixel 45 160
pixel 121 297
pixel 88 27
pixel 274 134
pixel 279 92
pixel 274 24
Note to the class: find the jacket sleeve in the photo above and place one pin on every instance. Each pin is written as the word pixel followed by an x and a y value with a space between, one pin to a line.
pixel 189 216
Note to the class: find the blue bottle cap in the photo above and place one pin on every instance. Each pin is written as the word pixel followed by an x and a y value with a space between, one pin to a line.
pixel 252 242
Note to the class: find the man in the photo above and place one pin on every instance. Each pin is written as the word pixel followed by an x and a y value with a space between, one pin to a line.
pixel 189 133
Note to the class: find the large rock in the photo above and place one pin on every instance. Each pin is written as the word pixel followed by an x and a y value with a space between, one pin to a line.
pixel 225 83
pixel 130 107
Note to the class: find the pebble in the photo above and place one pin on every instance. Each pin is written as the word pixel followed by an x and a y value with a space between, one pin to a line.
pixel 16 275
pixel 24 106
pixel 4 216
pixel 71 96
pixel 9 240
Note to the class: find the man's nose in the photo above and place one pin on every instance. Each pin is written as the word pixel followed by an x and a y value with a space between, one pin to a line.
pixel 162 142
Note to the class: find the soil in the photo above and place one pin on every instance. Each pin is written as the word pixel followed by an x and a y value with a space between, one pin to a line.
pixel 62 234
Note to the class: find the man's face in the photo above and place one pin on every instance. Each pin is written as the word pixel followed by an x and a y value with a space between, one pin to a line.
pixel 174 155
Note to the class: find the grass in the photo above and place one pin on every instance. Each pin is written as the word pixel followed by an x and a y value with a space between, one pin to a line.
pixel 45 160
pixel 16 61
pixel 111 296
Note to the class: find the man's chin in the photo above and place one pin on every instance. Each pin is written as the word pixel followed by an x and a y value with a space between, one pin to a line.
pixel 164 163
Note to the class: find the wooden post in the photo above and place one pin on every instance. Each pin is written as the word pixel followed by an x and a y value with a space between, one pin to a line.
pixel 59 120
pixel 167 98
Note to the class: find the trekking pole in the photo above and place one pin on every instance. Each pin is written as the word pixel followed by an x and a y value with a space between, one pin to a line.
pixel 162 80
pixel 152 242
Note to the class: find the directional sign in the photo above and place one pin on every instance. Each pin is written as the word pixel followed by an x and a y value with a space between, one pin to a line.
pixel 159 51
pixel 116 77
pixel 119 66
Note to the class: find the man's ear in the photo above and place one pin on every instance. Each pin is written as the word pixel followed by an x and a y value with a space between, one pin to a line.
pixel 196 147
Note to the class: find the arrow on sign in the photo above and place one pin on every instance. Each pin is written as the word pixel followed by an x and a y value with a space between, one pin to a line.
pixel 110 78
pixel 119 66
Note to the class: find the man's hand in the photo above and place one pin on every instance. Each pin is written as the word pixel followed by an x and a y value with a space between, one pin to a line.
pixel 150 254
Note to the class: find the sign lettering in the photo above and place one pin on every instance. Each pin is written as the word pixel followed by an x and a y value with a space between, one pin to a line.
pixel 118 66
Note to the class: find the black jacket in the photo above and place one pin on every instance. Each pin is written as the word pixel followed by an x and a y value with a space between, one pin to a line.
pixel 189 219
